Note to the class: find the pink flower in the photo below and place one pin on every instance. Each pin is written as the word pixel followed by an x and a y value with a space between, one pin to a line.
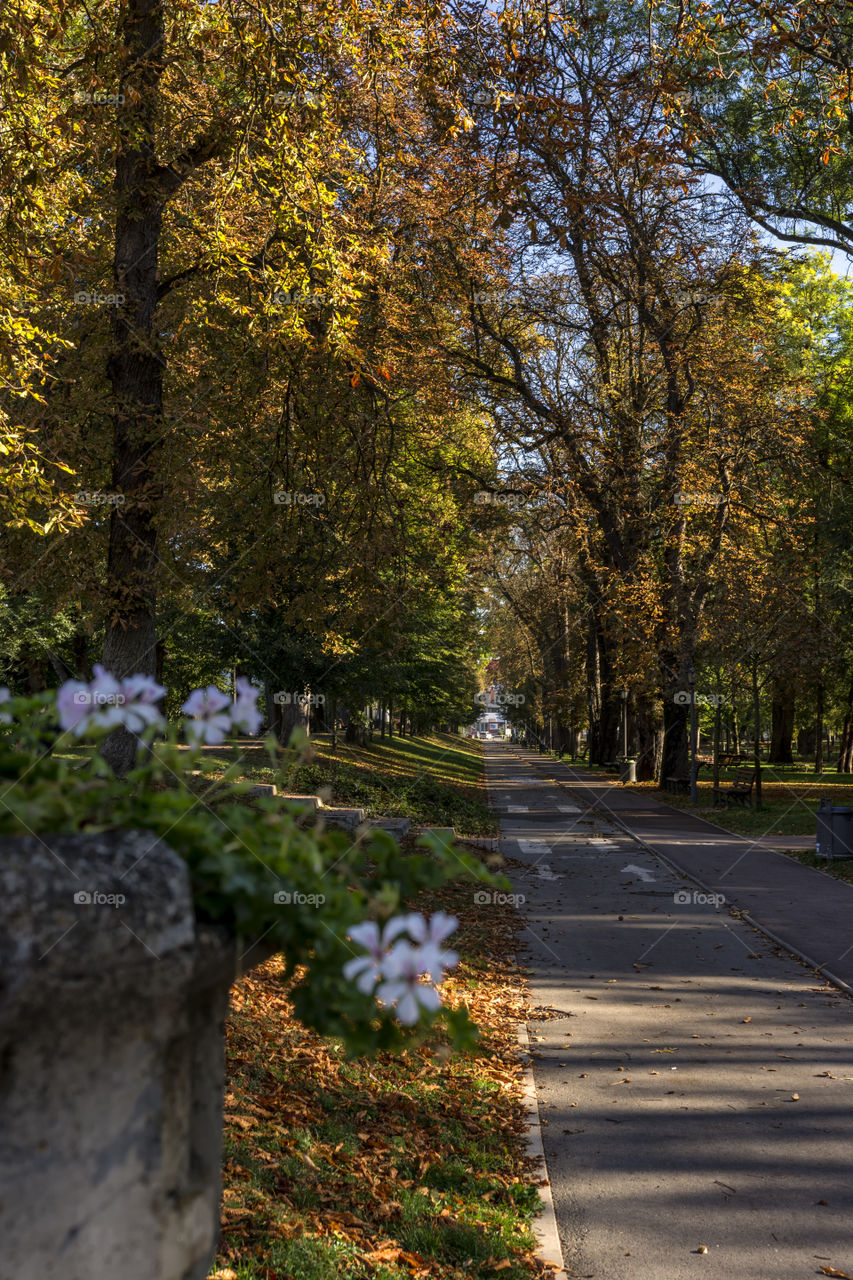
pixel 96 705
pixel 245 715
pixel 212 723
pixel 404 965
pixel 141 693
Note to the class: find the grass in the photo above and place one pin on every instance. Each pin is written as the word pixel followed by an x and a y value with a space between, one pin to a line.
pixel 400 1166
pixel 434 781
pixel 789 800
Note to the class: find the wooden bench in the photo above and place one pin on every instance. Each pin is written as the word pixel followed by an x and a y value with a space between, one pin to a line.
pixel 740 791
pixel 681 784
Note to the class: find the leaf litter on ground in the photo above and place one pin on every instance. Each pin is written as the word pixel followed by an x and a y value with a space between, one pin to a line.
pixel 399 1166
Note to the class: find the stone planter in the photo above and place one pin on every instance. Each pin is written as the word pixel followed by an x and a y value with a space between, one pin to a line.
pixel 112 1005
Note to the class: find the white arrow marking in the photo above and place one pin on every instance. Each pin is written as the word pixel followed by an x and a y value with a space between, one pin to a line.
pixel 538 847
pixel 545 872
pixel 640 872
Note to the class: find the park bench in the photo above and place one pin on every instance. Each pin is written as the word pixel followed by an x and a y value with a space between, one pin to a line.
pixel 739 791
pixel 681 784
pixel 728 759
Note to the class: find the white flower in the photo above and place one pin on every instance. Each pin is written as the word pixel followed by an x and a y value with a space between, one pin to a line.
pixel 244 713
pixel 140 695
pixel 5 696
pixel 96 705
pixel 212 723
pixel 430 933
pixel 104 703
pixel 375 942
pixel 399 969
pixel 404 966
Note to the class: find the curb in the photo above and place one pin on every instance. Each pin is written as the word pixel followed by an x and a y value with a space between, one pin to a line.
pixel 549 1250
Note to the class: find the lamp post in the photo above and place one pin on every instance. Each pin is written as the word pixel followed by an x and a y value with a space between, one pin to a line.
pixel 691 680
pixel 624 724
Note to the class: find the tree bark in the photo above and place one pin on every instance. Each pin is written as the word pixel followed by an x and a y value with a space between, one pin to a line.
pixel 818 728
pixel 782 729
pixel 845 747
pixel 676 716
pixel 756 715
pixel 649 728
pixel 135 365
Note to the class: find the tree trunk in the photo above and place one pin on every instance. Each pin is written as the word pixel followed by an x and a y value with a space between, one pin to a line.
pixel 845 747
pixel 718 729
pixel 674 757
pixel 782 730
pixel 818 728
pixel 135 365
pixel 593 691
pixel 649 729
pixel 756 715
pixel 676 716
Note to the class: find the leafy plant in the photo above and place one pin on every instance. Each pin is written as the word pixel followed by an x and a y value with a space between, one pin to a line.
pixel 255 868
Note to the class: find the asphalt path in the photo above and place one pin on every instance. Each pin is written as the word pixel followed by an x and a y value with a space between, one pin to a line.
pixel 694 1079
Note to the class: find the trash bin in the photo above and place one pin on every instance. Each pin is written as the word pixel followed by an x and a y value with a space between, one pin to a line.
pixel 627 770
pixel 834 831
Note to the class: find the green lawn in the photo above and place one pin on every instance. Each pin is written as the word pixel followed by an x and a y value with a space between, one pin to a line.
pixel 434 781
pixel 789 799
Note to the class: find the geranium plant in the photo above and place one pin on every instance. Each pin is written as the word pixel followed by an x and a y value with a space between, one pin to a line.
pixel 329 901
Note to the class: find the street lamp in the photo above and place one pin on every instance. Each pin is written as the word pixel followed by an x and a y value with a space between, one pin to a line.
pixel 691 680
pixel 624 724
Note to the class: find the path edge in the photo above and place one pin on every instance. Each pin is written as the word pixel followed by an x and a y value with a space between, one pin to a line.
pixel 549 1250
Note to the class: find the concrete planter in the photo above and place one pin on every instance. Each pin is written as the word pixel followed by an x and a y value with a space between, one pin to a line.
pixel 112 1006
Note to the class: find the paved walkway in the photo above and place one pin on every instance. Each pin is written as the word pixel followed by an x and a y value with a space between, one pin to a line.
pixel 695 1082
pixel 797 904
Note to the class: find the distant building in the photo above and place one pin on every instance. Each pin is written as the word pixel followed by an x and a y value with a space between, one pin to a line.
pixel 491 719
